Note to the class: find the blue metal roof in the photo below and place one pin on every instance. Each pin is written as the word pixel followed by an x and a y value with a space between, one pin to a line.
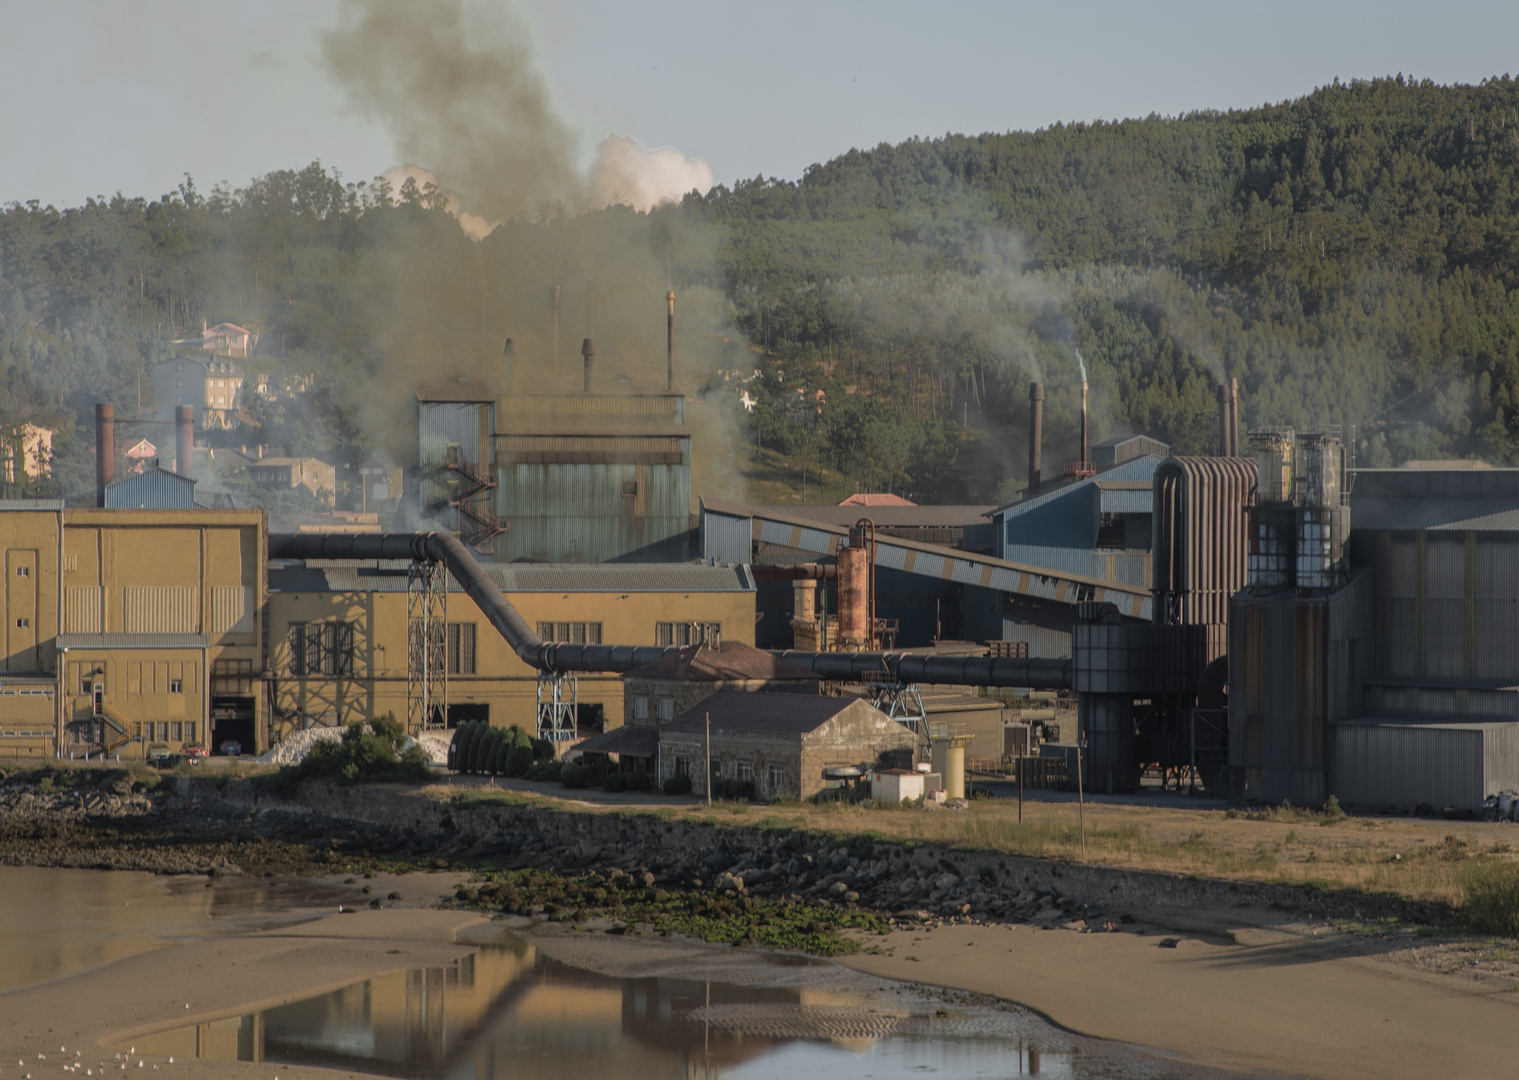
pixel 151 489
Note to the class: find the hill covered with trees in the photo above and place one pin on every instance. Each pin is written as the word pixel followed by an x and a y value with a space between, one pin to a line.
pixel 1349 256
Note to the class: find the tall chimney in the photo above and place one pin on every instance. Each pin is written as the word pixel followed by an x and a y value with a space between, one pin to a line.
pixel 1223 421
pixel 105 449
pixel 1035 435
pixel 670 343
pixel 588 350
pixel 554 327
pixel 1083 422
pixel 184 440
pixel 509 351
pixel 1234 418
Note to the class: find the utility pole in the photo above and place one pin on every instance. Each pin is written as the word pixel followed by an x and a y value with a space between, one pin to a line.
pixel 709 758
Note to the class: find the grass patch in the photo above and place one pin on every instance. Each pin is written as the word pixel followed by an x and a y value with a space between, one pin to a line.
pixel 1491 901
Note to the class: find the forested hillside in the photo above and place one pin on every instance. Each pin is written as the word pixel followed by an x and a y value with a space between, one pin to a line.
pixel 1350 257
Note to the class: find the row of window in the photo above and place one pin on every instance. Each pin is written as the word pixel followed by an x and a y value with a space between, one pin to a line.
pixel 326 648
pixel 641 708
pixel 742 771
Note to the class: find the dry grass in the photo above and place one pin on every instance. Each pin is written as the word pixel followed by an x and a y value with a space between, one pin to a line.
pixel 1417 859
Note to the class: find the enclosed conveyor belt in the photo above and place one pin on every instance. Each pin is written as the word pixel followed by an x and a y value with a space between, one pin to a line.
pixel 545 656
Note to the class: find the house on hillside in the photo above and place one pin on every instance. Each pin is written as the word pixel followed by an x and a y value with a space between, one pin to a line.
pixel 314 474
pixel 223 339
pixel 210 385
pixel 139 454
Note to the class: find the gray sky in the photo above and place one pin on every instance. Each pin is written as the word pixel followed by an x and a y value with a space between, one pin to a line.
pixel 99 96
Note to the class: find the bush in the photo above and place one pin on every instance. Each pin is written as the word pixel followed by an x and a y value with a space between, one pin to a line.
pixel 1491 905
pixel 361 755
pixel 485 752
pixel 546 771
pixel 519 759
pixel 734 790
pixel 573 774
pixel 637 781
pixel 678 785
pixel 473 732
pixel 388 727
pixel 615 781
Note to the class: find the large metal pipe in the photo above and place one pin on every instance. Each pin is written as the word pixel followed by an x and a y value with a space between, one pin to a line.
pixel 796 572
pixel 854 587
pixel 588 350
pixel 1038 674
pixel 1035 435
pixel 670 343
pixel 105 449
pixel 184 440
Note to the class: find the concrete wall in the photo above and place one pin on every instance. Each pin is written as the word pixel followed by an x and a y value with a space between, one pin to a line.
pixel 683 695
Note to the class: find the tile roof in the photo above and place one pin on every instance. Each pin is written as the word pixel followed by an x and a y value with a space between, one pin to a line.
pixel 720 663
pixel 734 710
pixel 633 741
pixel 877 499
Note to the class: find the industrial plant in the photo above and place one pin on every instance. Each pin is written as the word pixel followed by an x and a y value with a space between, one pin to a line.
pixel 1266 624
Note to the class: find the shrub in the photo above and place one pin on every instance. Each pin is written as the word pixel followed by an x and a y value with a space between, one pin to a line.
pixel 472 734
pixel 1491 904
pixel 615 781
pixel 637 781
pixel 1332 808
pixel 388 727
pixel 485 750
pixel 361 755
pixel 546 771
pixel 519 759
pixel 454 743
pixel 572 774
pixel 734 790
pixel 678 785
pixel 543 750
pixel 499 755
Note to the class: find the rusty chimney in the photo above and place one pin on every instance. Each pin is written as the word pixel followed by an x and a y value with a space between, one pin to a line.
pixel 184 440
pixel 105 449
pixel 1234 418
pixel 1035 435
pixel 554 326
pixel 588 350
pixel 670 343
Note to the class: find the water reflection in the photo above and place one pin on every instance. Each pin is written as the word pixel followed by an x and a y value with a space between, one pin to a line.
pixel 504 1009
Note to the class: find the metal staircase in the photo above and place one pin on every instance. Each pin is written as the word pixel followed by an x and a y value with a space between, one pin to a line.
pixel 469 497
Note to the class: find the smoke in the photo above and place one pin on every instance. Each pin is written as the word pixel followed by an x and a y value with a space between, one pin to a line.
pixel 624 173
pixel 1080 362
pixel 460 92
pixel 475 227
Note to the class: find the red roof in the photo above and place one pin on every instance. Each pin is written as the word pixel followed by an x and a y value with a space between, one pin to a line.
pixel 879 499
pixel 730 660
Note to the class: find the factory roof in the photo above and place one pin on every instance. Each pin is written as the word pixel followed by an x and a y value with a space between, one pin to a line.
pixel 615 425
pixel 735 710
pixel 457 392
pixel 1427 498
pixel 15 505
pixel 133 641
pixel 1503 521
pixel 728 660
pixel 633 741
pixel 350 575
pixel 1136 470
pixel 879 498
pixel 885 517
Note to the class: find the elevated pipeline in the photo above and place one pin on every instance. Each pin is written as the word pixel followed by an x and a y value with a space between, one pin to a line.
pixel 1037 674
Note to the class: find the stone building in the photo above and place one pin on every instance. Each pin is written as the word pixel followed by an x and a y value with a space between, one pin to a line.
pixel 781 743
pixel 659 692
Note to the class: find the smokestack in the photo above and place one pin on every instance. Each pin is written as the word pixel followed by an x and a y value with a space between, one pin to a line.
pixel 670 343
pixel 1234 418
pixel 105 449
pixel 1223 421
pixel 184 440
pixel 588 350
pixel 1035 435
pixel 593 309
pixel 1083 423
pixel 554 328
pixel 509 351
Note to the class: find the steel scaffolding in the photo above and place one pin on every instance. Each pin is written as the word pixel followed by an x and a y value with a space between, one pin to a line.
pixel 427 646
pixel 556 711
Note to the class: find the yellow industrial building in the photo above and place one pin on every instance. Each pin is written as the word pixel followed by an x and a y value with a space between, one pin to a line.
pixel 338 635
pixel 127 627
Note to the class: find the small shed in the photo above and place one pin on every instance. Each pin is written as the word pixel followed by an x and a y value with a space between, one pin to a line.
pixel 779 743
pixel 657 693
pixel 978 719
pixel 892 786
pixel 1391 763
pixel 635 748
pixel 151 489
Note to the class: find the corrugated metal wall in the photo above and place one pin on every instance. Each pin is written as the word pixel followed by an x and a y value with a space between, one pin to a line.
pixel 725 538
pixel 84 609
pixel 1395 764
pixel 153 489
pixel 464 423
pixel 579 513
pixel 231 609
pixel 159 609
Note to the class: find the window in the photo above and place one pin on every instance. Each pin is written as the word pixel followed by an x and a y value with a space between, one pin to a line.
pixel 461 648
pixel 23 571
pixel 686 633
pixel 190 731
pixel 321 648
pixel 640 708
pixel 667 708
pixel 23 623
pixel 176 731
pixel 777 778
pixel 571 633
pixel 682 766
pixel 630 487
pixel 176 686
pixel 745 772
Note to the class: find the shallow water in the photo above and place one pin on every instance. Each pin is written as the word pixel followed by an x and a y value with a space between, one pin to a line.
pixel 59 922
pixel 507 1012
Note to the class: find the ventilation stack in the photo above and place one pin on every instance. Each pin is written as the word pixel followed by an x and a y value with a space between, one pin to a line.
pixel 554 325
pixel 105 449
pixel 670 343
pixel 588 350
pixel 184 440
pixel 1035 435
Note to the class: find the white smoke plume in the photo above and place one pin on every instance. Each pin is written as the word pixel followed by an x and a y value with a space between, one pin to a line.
pixel 475 227
pixel 625 173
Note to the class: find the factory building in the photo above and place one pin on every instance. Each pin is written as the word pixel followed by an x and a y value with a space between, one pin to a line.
pixel 127 627
pixel 339 636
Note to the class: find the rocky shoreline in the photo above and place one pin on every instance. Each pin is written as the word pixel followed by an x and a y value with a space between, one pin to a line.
pixel 206 825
